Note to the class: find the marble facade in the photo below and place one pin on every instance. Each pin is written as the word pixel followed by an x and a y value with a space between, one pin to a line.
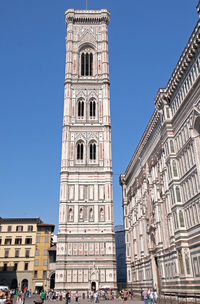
pixel 161 186
pixel 86 239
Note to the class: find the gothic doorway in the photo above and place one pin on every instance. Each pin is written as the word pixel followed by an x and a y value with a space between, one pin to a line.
pixel 93 286
pixel 24 284
pixel 157 282
pixel 52 281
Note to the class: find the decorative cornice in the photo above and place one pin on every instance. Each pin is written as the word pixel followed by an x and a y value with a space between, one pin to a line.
pixel 145 137
pixel 161 98
pixel 36 220
pixel 87 16
pixel 165 95
pixel 198 8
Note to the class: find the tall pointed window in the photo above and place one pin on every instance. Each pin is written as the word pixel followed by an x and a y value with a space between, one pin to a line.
pixel 171 146
pixel 174 167
pixel 92 109
pixel 80 149
pixel 82 64
pixel 80 108
pixel 92 151
pixel 178 194
pixel 87 64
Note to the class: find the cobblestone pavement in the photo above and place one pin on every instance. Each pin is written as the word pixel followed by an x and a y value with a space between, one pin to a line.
pixel 116 301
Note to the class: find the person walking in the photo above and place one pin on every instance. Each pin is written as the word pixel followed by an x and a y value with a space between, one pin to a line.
pixel 76 297
pixel 96 297
pixel 125 294
pixel 42 296
pixel 155 295
pixel 145 296
pixel 151 297
pixel 141 292
pixel 67 297
pixel 19 299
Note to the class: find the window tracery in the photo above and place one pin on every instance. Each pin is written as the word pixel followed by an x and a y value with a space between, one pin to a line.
pixel 92 151
pixel 81 108
pixel 87 62
pixel 80 151
pixel 92 108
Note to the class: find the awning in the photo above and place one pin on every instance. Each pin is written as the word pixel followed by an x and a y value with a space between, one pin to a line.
pixel 38 283
pixel 105 287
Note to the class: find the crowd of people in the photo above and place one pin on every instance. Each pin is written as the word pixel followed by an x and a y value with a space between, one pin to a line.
pixel 6 296
pixel 22 295
pixel 149 296
pixel 126 294
pixel 92 296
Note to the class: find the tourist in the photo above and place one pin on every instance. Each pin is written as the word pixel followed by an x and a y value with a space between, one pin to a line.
pixel 155 295
pixel 125 294
pixel 76 297
pixel 145 296
pixel 141 292
pixel 67 298
pixel 19 299
pixel 96 297
pixel 42 296
pixel 151 297
pixel 9 299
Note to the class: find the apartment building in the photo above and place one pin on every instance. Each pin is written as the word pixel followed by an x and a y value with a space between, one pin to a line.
pixel 18 251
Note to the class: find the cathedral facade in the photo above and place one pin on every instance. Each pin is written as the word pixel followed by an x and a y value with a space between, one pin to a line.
pixel 86 240
pixel 161 186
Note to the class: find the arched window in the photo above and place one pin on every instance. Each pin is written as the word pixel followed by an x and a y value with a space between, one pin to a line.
pixel 92 151
pixel 92 108
pixel 178 195
pixel 171 146
pixel 174 167
pixel 86 64
pixel 167 112
pixel 80 108
pixel 181 219
pixel 80 149
pixel 82 64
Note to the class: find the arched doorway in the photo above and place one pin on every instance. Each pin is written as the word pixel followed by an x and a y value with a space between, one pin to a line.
pixel 93 286
pixel 24 284
pixel 14 284
pixel 52 281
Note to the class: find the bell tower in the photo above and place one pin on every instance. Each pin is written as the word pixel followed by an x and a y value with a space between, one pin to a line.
pixel 86 240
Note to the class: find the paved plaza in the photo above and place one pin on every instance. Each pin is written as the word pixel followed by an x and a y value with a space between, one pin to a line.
pixel 81 301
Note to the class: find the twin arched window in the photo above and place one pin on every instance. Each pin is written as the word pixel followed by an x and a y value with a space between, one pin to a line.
pixel 178 194
pixel 86 64
pixel 174 167
pixel 92 108
pixel 92 151
pixel 80 108
pixel 80 151
pixel 171 143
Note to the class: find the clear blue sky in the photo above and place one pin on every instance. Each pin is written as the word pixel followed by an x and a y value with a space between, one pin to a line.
pixel 146 38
